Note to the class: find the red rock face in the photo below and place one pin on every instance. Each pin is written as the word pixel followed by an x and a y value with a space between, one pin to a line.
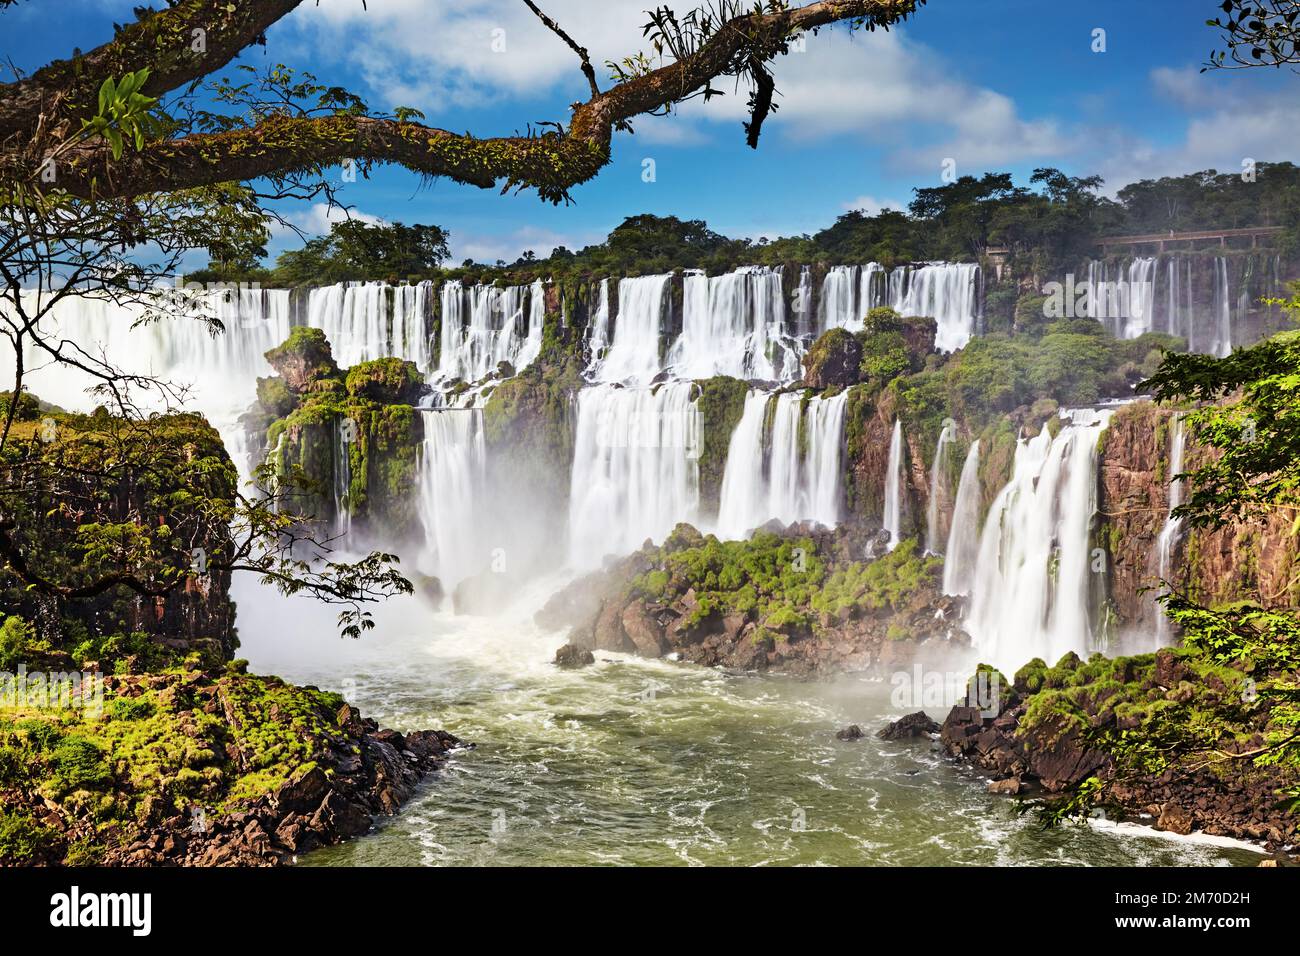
pixel 1251 560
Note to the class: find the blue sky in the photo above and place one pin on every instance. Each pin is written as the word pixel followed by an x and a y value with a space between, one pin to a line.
pixel 864 119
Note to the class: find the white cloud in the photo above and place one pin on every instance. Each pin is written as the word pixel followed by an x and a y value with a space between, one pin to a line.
pixel 315 220
pixel 509 246
pixel 873 206
pixel 879 85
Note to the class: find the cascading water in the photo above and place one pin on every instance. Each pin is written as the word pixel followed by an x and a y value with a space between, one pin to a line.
pixel 1171 533
pixel 893 516
pixel 964 535
pixel 598 329
pixel 635 468
pixel 802 304
pixel 633 356
pixel 770 479
pixel 1030 596
pixel 354 317
pixel 948 293
pixel 345 430
pixel 452 467
pixel 485 325
pixel 934 534
pixel 220 371
pixel 734 324
pixel 1221 344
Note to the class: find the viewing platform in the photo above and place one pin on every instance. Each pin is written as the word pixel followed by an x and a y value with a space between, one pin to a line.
pixel 1161 240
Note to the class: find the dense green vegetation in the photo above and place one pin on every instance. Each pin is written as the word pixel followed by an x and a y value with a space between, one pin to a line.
pixel 782 583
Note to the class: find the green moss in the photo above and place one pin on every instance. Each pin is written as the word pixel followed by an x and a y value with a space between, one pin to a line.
pixel 721 404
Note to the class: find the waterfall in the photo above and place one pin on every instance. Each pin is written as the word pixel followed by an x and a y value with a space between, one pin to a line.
pixel 1171 532
pixel 220 371
pixel 635 468
pixel 772 479
pixel 451 477
pixel 410 339
pixel 933 536
pixel 1141 296
pixel 1030 596
pixel 345 431
pixel 633 356
pixel 598 330
pixel 802 303
pixel 744 489
pixel 735 324
pixel 1221 344
pixel 354 317
pixel 839 302
pixel 964 535
pixel 893 518
pixel 946 292
pixel 485 325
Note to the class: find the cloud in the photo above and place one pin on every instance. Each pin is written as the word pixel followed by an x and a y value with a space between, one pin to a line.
pixel 431 55
pixel 509 246
pixel 873 206
pixel 315 220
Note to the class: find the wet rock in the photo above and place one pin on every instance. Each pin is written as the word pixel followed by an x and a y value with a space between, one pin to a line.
pixel 914 725
pixel 1174 819
pixel 1010 787
pixel 572 657
pixel 851 732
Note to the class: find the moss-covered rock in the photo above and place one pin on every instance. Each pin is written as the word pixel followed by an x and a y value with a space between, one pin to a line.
pixel 305 361
pixel 721 404
pixel 834 360
pixel 387 381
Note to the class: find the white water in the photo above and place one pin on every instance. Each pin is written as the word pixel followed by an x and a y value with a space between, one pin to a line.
pixel 1221 344
pixel 452 470
pixel 934 536
pixel 1171 532
pixel 964 534
pixel 485 325
pixel 633 356
pixel 893 516
pixel 218 372
pixel 766 476
pixel 598 330
pixel 635 468
pixel 735 324
pixel 344 435
pixel 1031 589
pixel 947 292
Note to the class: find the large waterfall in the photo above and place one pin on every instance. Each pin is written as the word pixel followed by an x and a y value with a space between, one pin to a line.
pixel 486 325
pixel 1031 589
pixel 452 471
pixel 634 351
pixel 964 534
pixel 635 468
pixel 1171 532
pixel 768 477
pixel 1210 301
pixel 948 292
pixel 893 516
pixel 735 324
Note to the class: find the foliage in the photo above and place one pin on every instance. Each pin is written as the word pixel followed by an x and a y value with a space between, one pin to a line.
pixel 355 250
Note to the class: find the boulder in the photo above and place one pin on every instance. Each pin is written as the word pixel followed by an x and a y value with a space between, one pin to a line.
pixel 910 727
pixel 572 657
pixel 851 732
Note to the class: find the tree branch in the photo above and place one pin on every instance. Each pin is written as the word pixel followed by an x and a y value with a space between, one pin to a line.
pixel 554 27
pixel 164 41
pixel 552 162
